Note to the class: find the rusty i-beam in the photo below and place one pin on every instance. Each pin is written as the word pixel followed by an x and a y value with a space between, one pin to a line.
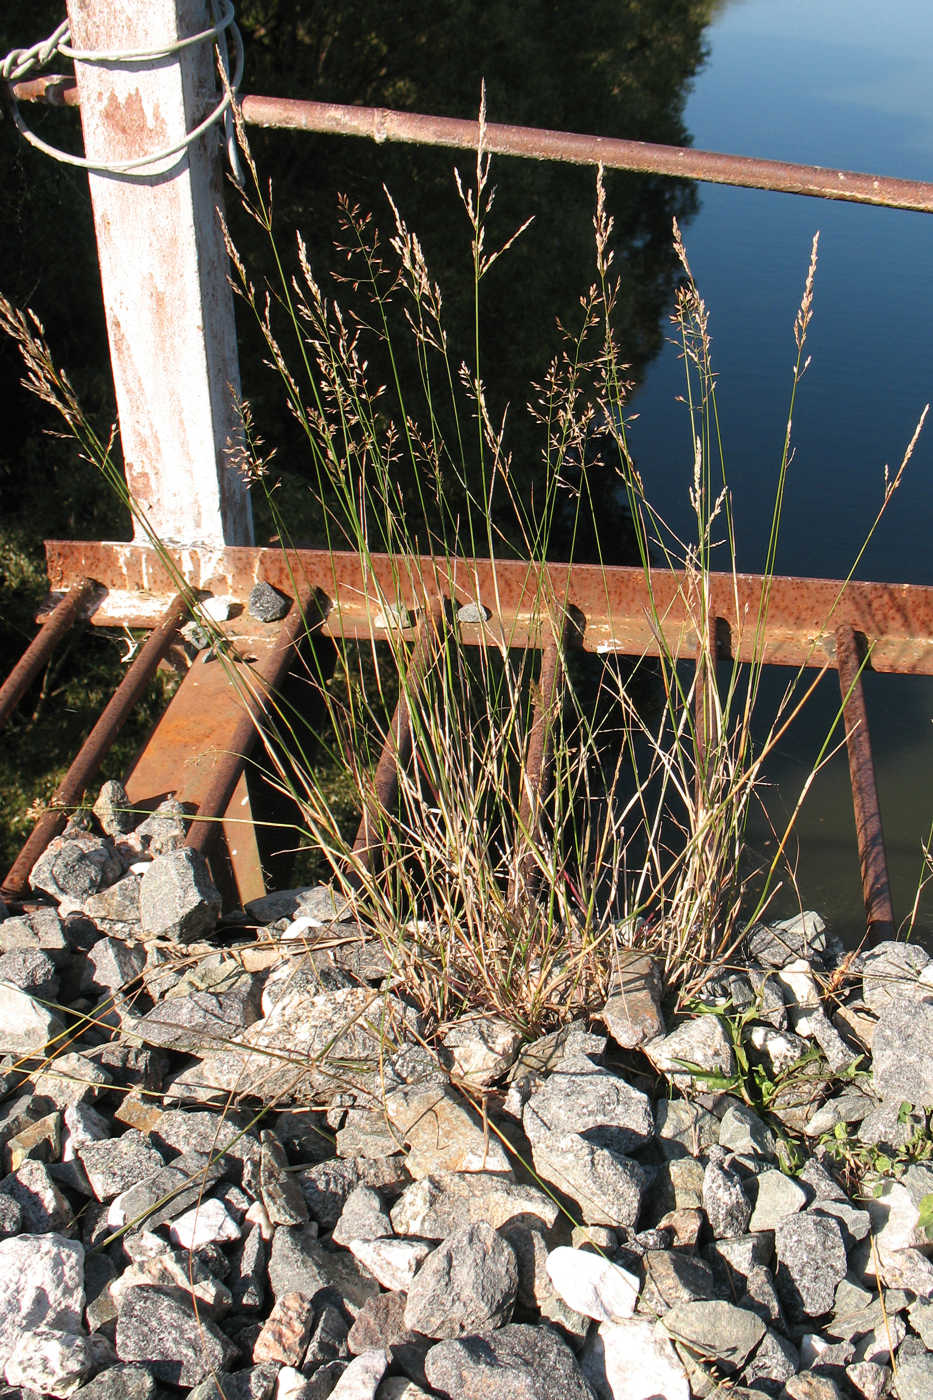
pixel 809 623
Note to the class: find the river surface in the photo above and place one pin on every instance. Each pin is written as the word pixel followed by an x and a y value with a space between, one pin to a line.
pixel 836 84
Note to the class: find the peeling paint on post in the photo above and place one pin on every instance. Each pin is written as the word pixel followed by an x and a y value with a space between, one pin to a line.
pixel 164 267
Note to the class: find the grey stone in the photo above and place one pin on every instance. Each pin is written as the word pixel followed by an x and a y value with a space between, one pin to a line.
pixel 902 1067
pixel 299 1263
pixel 11 1217
pixel 472 614
pixel 221 1136
pixel 890 1126
pixel 75 865
pixel 468 1282
pixel 443 1131
pixel 31 970
pixel 363 1217
pixel 43 1206
pixel 717 1329
pixel 247 1276
pixel 673 1277
pixel 131 1382
pixel 365 1133
pixel 761 1295
pixel 810 1385
pixel 267 604
pixel 742 1130
pixel 308 1048
pixel 869 1378
pixel 178 1343
pixel 889 973
pixel 517 1362
pixel 281 1193
pixel 578 1097
pixel 777 1196
pixel 733 1261
pixel 855 1223
pixel 41 1285
pixel 727 1207
pixel 115 910
pixel 684 1128
pixel 174 1269
pixel 111 965
pixel 199 1022
pixel 166 1194
pixel 113 810
pixel 914 1380
pixel 329 1337
pixel 632 1014
pixel 701 1042
pixel 774 945
pixel 26 1026
pixel 536 1289
pixel 178 900
pixel 811 1261
pixel 852 1106
pixel 326 1186
pixel 114 1164
pixel 607 1187
pixel 481 1049
pixel 774 1362
pixel 436 1206
pixel 164 829
pixel 253 1383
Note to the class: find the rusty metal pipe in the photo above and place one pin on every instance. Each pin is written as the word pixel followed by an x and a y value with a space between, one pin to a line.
pixel 381 124
pixel 226 773
pixel 41 647
pixel 95 747
pixel 396 750
pixel 538 143
pixel 879 910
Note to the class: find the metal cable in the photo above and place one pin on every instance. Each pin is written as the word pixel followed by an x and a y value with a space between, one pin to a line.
pixel 20 62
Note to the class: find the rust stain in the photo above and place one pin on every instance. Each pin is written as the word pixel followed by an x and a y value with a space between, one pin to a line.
pixel 126 118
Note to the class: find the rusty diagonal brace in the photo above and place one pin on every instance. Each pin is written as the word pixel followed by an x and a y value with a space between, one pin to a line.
pixel 539 758
pixel 396 751
pixel 256 693
pixel 41 647
pixel 879 910
pixel 96 746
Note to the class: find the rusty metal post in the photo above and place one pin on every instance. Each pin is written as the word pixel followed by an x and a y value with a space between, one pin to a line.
pixel 94 749
pixel 164 267
pixel 879 910
pixel 41 648
pixel 396 750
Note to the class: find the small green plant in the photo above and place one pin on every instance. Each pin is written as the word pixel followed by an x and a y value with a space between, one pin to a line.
pixel 864 1161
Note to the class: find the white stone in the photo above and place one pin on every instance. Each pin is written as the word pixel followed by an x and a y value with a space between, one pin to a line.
pixel 392 1263
pixel 360 1380
pixel 258 1215
pixel 811 1346
pixel 591 1284
pixel 217 609
pixel 207 1223
pixel 41 1285
pixel 290 1384
pixel 634 1360
pixel 55 1363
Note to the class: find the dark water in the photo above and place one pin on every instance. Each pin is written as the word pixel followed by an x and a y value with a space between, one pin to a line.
pixel 834 83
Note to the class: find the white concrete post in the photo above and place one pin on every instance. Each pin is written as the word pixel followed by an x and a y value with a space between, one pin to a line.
pixel 163 267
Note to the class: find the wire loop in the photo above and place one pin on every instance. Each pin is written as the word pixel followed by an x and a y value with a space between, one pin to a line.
pixel 20 62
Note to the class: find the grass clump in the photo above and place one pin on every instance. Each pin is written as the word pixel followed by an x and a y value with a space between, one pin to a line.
pixel 512 812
